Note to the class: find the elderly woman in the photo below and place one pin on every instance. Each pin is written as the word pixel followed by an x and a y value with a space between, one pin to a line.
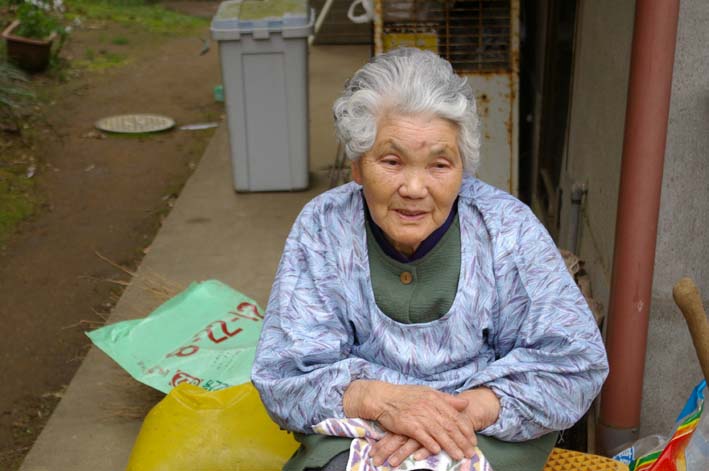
pixel 420 297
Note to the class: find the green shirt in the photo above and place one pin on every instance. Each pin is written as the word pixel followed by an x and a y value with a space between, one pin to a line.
pixel 419 291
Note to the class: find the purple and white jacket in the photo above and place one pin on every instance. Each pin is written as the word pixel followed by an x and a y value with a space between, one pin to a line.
pixel 518 324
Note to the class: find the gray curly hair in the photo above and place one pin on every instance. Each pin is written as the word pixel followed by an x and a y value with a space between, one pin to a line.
pixel 407 81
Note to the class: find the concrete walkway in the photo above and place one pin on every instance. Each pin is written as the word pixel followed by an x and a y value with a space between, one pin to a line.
pixel 212 232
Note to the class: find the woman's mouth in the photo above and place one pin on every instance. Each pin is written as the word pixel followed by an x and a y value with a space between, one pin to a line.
pixel 410 215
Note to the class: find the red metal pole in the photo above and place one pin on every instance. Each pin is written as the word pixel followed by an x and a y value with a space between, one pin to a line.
pixel 649 90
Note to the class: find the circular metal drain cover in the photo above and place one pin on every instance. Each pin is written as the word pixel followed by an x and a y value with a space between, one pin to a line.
pixel 135 123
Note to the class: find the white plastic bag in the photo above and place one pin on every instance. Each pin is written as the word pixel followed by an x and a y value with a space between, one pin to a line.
pixel 365 17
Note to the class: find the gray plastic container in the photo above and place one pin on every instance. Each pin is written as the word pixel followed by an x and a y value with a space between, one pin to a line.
pixel 263 50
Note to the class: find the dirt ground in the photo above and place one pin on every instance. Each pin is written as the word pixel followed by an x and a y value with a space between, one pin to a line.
pixel 100 194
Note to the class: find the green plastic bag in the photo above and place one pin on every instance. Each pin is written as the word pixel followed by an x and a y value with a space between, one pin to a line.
pixel 204 336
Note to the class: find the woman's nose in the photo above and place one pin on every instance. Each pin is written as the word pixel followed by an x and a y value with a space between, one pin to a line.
pixel 414 185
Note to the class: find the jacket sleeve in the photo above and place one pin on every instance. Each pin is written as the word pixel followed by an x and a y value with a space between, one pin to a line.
pixel 303 363
pixel 550 357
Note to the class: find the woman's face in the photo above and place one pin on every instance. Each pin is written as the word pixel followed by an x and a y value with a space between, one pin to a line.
pixel 411 177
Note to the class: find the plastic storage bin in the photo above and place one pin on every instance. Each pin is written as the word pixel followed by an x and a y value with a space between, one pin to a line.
pixel 264 58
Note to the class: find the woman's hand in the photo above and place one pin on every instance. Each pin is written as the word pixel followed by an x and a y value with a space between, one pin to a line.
pixel 483 407
pixel 394 449
pixel 433 419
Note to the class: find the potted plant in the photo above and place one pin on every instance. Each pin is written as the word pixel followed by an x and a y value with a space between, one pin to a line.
pixel 30 36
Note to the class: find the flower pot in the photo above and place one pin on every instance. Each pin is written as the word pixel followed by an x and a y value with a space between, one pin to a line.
pixel 31 55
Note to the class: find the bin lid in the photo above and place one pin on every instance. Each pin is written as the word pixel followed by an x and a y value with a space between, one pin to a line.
pixel 248 16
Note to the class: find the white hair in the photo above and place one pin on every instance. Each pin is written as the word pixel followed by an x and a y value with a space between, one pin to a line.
pixel 407 81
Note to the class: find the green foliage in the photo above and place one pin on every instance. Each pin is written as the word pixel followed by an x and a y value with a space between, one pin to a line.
pixel 14 92
pixel 40 18
pixel 119 41
pixel 132 13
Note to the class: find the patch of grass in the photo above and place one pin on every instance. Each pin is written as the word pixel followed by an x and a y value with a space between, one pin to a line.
pixel 102 61
pixel 153 18
pixel 120 41
pixel 17 201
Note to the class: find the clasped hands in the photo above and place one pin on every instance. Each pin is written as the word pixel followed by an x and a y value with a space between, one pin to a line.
pixel 420 420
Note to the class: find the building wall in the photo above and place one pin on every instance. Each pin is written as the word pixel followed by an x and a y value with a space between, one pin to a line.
pixel 595 138
pixel 672 369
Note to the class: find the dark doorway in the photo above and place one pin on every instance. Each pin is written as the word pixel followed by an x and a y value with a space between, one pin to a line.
pixel 546 73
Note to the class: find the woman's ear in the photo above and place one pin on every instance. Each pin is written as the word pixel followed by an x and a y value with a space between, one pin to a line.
pixel 356 168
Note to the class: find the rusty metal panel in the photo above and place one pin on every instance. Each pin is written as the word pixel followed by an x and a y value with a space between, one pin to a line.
pixel 497 107
pixel 474 35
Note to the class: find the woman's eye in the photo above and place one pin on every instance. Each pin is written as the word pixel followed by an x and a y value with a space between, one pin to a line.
pixel 390 162
pixel 441 165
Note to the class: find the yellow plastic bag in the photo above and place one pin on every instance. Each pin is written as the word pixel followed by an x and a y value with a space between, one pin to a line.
pixel 226 430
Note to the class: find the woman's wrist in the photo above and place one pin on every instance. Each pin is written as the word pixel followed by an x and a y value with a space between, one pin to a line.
pixel 354 399
pixel 483 406
pixel 363 399
pixel 351 399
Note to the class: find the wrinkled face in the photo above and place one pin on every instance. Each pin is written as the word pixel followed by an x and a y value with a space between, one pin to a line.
pixel 411 177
